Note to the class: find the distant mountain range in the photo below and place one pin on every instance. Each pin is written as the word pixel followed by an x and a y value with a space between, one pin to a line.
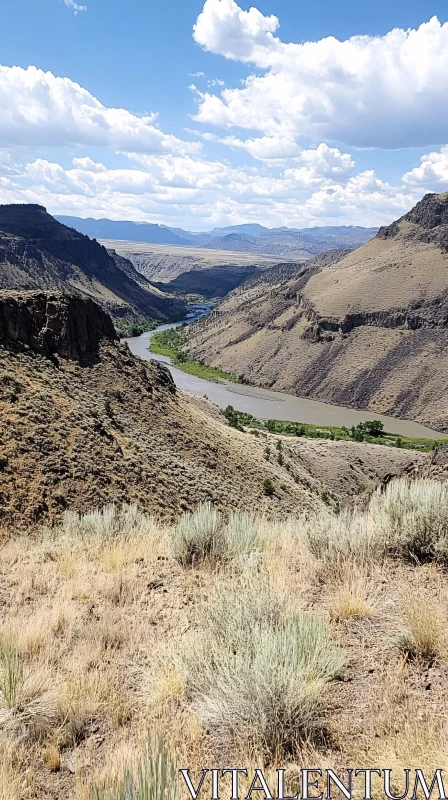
pixel 296 243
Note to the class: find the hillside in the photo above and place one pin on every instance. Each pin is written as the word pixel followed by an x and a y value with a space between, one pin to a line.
pixel 370 331
pixel 104 426
pixel 37 252
pixel 164 263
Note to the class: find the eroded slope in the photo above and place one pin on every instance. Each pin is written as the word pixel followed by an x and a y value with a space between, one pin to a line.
pixel 370 331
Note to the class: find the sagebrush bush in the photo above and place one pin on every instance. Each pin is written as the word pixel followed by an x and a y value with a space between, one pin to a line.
pixel 408 518
pixel 411 517
pixel 199 535
pixel 154 777
pixel 229 614
pixel 242 535
pixel 347 535
pixel 109 522
pixel 204 534
pixel 259 678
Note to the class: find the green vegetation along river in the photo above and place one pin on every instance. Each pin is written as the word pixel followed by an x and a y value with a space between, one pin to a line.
pixel 265 404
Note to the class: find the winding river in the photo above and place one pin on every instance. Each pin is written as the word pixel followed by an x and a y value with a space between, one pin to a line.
pixel 265 404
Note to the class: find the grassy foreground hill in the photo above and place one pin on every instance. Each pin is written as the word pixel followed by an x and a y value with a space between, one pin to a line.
pixel 315 642
pixel 370 331
pixel 38 252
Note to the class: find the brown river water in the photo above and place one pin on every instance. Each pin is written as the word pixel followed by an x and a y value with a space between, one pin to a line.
pixel 265 404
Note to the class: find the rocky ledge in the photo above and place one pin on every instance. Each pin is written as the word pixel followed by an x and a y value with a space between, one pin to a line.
pixel 50 323
pixel 429 219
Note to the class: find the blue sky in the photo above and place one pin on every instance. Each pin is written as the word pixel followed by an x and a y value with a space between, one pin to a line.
pixel 198 115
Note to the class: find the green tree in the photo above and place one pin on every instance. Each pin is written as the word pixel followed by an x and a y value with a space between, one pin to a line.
pixel 372 427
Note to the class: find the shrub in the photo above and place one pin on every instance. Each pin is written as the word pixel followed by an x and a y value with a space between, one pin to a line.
pixel 412 519
pixel 258 677
pixel 268 487
pixel 241 535
pixel 109 522
pixel 372 427
pixel 338 537
pixel 199 535
pixel 11 673
pixel 153 778
pixel 232 418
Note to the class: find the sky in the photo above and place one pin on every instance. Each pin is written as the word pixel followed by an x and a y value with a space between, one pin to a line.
pixel 200 114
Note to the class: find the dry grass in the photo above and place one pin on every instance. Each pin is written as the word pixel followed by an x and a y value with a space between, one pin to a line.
pixel 354 596
pixel 426 634
pixel 52 758
pixel 107 637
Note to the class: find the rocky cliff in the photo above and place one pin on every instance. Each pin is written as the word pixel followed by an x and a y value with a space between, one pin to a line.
pixel 54 324
pixel 369 331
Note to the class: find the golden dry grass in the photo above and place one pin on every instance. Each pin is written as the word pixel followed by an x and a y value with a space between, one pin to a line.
pixel 100 626
pixel 426 633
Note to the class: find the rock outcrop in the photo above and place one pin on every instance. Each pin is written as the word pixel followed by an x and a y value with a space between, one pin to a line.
pixel 428 222
pixel 54 324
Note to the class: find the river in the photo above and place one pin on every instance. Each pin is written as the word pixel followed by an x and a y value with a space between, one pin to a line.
pixel 265 404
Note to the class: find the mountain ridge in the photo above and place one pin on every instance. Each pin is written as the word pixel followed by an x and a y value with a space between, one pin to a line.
pixel 38 252
pixel 268 240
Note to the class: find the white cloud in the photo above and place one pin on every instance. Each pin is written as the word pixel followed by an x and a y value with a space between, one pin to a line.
pixel 385 91
pixel 314 165
pixel 196 74
pixel 432 172
pixel 265 148
pixel 322 165
pixel 215 82
pixel 193 192
pixel 75 6
pixel 224 28
pixel 39 109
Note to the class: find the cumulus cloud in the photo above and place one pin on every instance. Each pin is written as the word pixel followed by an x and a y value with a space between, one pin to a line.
pixel 432 172
pixel 224 28
pixel 197 193
pixel 384 91
pixel 264 148
pixel 75 6
pixel 320 163
pixel 40 109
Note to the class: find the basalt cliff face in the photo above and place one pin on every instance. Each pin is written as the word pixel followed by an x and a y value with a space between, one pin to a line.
pixel 368 331
pixel 37 252
pixel 54 325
